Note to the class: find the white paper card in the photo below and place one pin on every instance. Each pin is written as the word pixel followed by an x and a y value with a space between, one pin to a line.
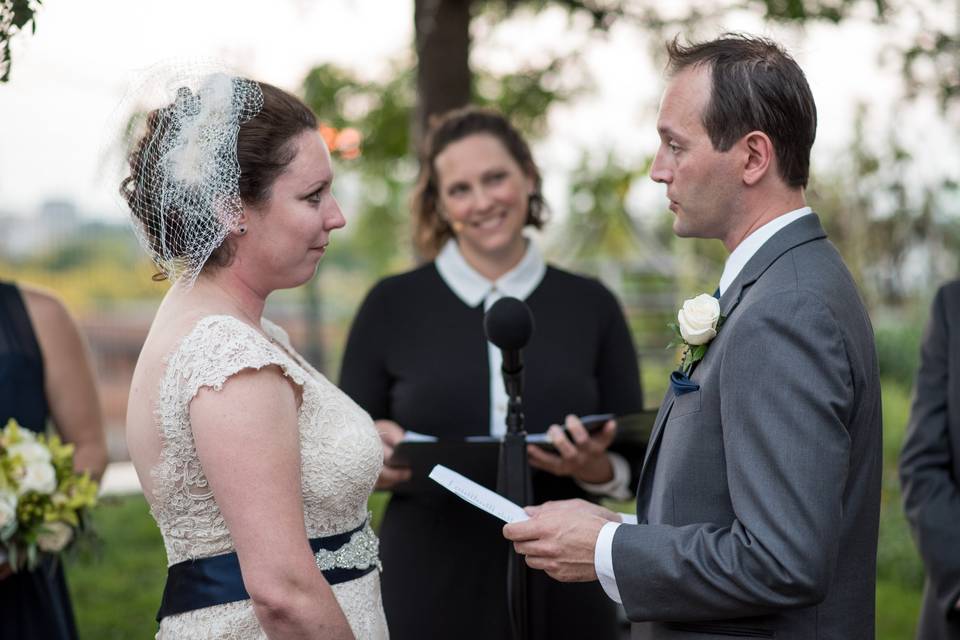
pixel 413 436
pixel 477 495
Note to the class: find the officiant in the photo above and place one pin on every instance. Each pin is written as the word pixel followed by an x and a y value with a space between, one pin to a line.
pixel 417 359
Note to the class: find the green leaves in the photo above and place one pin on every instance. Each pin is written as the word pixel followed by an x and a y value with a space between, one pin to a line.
pixel 14 17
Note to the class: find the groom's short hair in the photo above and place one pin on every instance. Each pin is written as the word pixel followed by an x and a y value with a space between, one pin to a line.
pixel 755 86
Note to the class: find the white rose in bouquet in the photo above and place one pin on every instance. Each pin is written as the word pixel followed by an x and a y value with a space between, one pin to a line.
pixel 8 507
pixel 38 476
pixel 30 452
pixel 698 319
pixel 55 537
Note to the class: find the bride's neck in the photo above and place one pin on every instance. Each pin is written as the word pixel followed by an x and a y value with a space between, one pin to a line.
pixel 231 290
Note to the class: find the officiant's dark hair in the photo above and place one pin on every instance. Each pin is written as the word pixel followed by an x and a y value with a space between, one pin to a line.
pixel 755 86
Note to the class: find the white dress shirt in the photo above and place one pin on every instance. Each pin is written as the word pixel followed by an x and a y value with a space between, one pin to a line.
pixel 473 288
pixel 736 261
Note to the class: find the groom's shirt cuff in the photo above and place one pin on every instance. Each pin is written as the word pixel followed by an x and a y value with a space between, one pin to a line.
pixel 603 556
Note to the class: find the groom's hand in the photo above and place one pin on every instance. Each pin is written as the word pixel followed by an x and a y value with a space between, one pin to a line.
pixel 560 538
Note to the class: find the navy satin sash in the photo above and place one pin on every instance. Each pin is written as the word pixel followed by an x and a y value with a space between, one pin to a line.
pixel 205 582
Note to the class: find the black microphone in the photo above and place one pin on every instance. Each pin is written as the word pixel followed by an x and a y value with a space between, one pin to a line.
pixel 509 325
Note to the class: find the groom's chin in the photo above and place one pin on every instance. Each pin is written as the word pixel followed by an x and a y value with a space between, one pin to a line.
pixel 682 230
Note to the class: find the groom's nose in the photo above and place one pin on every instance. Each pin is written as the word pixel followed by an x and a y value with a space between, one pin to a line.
pixel 659 171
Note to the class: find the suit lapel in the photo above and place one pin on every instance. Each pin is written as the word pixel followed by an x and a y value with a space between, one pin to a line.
pixel 798 232
pixel 658 428
pixel 649 457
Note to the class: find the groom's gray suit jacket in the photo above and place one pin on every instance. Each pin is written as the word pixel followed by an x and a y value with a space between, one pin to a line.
pixel 759 497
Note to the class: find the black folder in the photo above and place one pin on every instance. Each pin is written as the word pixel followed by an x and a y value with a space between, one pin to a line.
pixel 477 457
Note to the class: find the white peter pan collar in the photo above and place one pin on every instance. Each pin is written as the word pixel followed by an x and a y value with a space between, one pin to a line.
pixel 473 288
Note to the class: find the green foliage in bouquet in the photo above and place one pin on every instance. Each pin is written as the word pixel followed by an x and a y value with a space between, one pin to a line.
pixel 43 501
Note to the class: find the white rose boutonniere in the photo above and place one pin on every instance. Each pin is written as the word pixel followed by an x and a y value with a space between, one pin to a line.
pixel 698 322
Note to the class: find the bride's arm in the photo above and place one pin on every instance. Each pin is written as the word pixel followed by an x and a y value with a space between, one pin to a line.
pixel 248 442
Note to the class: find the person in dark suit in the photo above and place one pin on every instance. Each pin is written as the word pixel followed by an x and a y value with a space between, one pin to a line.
pixel 45 373
pixel 417 359
pixel 930 467
pixel 759 498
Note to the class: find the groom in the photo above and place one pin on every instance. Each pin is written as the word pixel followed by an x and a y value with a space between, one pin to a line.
pixel 759 497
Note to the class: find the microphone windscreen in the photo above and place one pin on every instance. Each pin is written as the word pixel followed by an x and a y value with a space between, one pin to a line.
pixel 509 324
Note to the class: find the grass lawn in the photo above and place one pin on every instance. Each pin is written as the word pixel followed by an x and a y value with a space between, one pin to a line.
pixel 116 590
pixel 898 607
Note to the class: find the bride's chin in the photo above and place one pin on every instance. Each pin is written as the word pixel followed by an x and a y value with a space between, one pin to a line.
pixel 303 276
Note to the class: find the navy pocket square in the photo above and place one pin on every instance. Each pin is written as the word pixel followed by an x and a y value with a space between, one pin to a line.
pixel 681 383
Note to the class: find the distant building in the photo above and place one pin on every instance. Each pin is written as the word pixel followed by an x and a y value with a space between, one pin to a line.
pixel 53 222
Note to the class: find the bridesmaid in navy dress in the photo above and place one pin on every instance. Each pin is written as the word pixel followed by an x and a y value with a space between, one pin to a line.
pixel 45 373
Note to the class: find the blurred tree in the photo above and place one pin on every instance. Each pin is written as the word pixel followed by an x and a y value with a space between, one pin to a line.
pixel 391 115
pixel 599 225
pixel 443 42
pixel 892 233
pixel 95 269
pixel 15 15
pixel 384 169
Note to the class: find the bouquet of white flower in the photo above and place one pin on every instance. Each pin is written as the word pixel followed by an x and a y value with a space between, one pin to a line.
pixel 43 502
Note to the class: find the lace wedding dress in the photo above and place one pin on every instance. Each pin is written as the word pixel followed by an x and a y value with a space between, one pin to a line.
pixel 340 454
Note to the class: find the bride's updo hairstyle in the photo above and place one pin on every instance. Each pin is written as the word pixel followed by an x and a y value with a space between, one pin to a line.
pixel 200 160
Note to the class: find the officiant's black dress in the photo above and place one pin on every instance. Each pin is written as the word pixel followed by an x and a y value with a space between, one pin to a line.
pixel 33 604
pixel 417 355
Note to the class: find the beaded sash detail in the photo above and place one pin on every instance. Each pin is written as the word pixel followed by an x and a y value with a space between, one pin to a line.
pixel 362 551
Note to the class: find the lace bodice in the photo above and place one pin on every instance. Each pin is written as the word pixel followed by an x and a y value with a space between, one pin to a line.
pixel 340 453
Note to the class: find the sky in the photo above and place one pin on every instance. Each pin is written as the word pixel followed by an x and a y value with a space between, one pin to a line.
pixel 57 113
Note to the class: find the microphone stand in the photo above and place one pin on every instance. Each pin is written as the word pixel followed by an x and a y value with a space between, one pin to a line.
pixel 513 483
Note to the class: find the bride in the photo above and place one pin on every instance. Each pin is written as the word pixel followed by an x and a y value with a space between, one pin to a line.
pixel 257 469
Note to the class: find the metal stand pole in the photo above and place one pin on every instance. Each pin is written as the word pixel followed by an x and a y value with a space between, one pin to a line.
pixel 513 483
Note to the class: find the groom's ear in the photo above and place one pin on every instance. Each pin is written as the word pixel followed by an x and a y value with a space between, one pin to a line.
pixel 759 157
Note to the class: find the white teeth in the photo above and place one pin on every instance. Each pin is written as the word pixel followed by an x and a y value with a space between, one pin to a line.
pixel 489 223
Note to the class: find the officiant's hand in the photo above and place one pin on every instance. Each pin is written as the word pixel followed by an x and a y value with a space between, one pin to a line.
pixel 390 436
pixel 560 538
pixel 585 458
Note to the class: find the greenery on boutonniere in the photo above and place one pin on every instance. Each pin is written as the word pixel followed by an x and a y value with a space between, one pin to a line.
pixel 698 322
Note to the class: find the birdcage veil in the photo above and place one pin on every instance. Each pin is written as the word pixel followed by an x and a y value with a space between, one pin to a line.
pixel 182 186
